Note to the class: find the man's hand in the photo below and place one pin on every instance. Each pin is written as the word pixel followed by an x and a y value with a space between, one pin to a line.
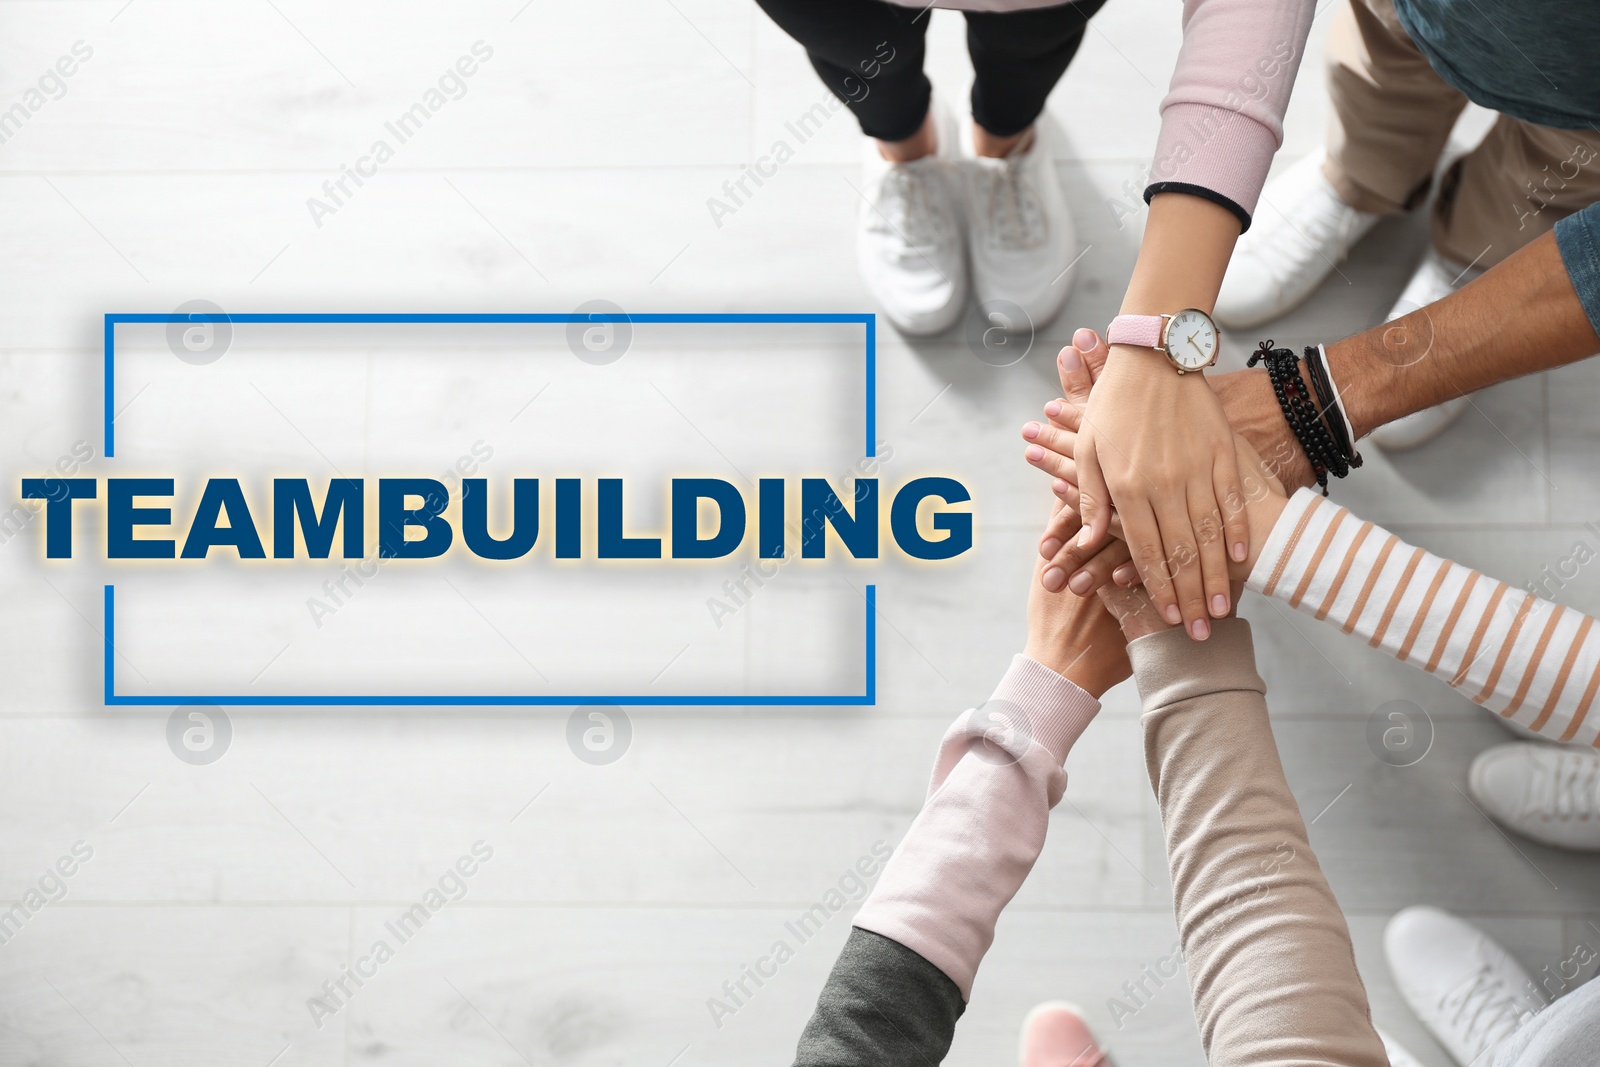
pixel 1253 411
pixel 1157 445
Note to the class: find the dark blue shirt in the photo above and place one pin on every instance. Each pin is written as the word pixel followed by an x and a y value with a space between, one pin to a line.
pixel 1533 60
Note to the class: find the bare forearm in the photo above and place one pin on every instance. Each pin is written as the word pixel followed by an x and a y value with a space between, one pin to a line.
pixel 1185 250
pixel 1523 316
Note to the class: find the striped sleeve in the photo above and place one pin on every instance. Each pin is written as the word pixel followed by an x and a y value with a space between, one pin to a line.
pixel 1530 660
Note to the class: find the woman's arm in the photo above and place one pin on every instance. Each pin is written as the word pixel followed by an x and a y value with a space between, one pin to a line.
pixel 1155 443
pixel 1266 946
pixel 901 983
pixel 1157 446
pixel 997 775
pixel 1532 661
pixel 1222 117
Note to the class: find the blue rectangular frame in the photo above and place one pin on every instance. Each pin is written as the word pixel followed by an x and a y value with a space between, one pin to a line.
pixel 866 698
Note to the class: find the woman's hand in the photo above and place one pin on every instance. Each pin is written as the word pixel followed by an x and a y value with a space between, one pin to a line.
pixel 1264 499
pixel 1158 446
pixel 1155 443
pixel 1074 636
pixel 1136 613
pixel 1053 448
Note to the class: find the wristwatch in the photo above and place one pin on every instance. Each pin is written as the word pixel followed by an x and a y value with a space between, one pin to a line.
pixel 1188 338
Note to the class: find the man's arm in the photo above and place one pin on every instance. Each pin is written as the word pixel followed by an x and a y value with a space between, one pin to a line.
pixel 1524 315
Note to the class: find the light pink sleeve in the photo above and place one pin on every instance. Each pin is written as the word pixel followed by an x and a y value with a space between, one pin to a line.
pixel 996 777
pixel 1222 117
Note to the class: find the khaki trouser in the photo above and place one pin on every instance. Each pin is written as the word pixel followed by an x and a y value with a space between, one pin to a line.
pixel 1392 115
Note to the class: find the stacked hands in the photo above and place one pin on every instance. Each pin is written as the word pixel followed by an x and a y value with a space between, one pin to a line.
pixel 1145 582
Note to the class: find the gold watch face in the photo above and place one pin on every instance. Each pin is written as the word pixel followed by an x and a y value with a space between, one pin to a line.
pixel 1191 339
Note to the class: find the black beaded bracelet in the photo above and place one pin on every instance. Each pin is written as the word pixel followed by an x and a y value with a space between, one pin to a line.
pixel 1320 432
pixel 1291 414
pixel 1300 398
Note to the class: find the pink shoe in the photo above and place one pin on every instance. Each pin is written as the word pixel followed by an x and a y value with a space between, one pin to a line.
pixel 1055 1035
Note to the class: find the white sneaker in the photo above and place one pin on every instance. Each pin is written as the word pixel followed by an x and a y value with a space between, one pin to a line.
pixel 1547 792
pixel 1434 279
pixel 1464 987
pixel 1021 232
pixel 909 243
pixel 1300 232
pixel 1398 1056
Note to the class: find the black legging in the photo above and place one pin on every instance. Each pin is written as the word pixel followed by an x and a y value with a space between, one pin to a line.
pixel 869 54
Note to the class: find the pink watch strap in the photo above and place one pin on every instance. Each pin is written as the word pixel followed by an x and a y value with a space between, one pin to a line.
pixel 1141 331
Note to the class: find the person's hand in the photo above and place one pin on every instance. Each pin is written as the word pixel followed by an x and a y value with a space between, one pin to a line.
pixel 1074 636
pixel 1136 613
pixel 1263 495
pixel 1253 411
pixel 1052 450
pixel 1157 445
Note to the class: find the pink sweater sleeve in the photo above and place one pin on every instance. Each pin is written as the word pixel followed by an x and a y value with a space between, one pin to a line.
pixel 996 777
pixel 1222 118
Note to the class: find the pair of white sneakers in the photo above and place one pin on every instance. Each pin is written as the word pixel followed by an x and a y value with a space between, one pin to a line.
pixel 1301 232
pixel 932 228
pixel 1467 989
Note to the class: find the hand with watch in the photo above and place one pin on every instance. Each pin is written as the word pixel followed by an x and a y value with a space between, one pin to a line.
pixel 1188 338
pixel 1156 446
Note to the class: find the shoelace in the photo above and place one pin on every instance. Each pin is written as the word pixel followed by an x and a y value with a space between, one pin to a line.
pixel 1483 1010
pixel 1567 789
pixel 1011 206
pixel 910 204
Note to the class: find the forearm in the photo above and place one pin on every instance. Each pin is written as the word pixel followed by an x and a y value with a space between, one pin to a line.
pixel 1523 316
pixel 1266 946
pixel 1520 317
pixel 903 979
pixel 1182 256
pixel 996 777
pixel 1528 659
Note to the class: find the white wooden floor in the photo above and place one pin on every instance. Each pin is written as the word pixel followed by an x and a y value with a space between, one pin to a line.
pixel 177 165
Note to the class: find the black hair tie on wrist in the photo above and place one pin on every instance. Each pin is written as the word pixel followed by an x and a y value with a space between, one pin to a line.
pixel 1319 427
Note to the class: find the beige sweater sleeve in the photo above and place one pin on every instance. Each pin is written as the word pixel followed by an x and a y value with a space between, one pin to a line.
pixel 1266 946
